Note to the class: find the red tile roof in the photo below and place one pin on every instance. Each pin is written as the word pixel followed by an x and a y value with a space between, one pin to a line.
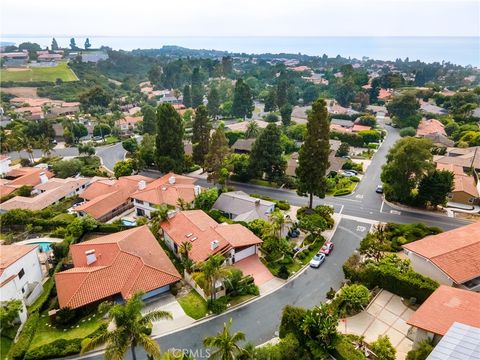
pixel 446 306
pixel 22 176
pixel 384 94
pixel 430 126
pixel 462 181
pixel 9 254
pixel 200 229
pixel 126 262
pixel 130 120
pixel 161 191
pixel 359 127
pixel 455 252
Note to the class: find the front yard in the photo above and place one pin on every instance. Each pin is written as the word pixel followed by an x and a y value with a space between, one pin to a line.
pixel 193 305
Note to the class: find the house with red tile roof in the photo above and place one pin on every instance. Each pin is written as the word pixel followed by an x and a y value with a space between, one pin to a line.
pixel 208 237
pixel 465 190
pixel 452 258
pixel 107 198
pixel 115 267
pixel 430 126
pixel 170 189
pixel 384 94
pixel 441 310
pixel 129 123
pixel 20 275
pixel 18 177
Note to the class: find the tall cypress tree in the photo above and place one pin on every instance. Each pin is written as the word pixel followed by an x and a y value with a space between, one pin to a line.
pixel 217 153
pixel 242 100
pixel 266 156
pixel 282 93
pixel 187 96
pixel 169 141
pixel 54 44
pixel 201 135
pixel 313 155
pixel 197 88
pixel 149 120
pixel 213 102
pixel 271 101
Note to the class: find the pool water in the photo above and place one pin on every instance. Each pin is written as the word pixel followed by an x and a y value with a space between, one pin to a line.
pixel 127 222
pixel 44 246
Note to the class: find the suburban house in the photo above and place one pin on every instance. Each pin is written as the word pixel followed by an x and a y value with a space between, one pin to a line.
pixel 49 57
pixel 243 146
pixel 336 163
pixel 465 189
pixel 459 342
pixel 106 198
pixel 49 192
pixel 434 130
pixel 467 158
pixel 4 165
pixel 242 207
pixel 452 258
pixel 429 108
pixel 347 126
pixel 441 310
pixel 115 267
pixel 129 123
pixel 20 275
pixel 23 176
pixel 208 237
pixel 170 189
pixel 31 112
pixel 14 59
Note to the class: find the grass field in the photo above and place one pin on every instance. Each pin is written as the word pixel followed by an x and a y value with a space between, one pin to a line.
pixel 51 74
pixel 193 305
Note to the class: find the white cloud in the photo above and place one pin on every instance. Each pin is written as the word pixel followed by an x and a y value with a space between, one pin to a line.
pixel 241 17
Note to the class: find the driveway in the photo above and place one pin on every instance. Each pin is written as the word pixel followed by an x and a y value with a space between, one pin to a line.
pixel 254 267
pixel 386 315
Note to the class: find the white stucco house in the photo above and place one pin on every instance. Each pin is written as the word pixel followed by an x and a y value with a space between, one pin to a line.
pixel 20 275
pixel 4 165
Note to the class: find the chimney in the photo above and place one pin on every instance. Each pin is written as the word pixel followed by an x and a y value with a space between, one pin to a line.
pixel 43 178
pixel 214 244
pixel 142 185
pixel 197 190
pixel 171 180
pixel 91 256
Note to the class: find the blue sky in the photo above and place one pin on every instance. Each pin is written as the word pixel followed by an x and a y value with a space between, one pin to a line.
pixel 241 17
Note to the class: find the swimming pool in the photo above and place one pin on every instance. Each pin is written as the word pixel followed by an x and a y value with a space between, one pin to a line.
pixel 127 222
pixel 44 246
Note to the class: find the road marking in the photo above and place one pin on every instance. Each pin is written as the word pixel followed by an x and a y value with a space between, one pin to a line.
pixel 361 228
pixel 381 207
pixel 359 196
pixel 395 212
pixel 341 209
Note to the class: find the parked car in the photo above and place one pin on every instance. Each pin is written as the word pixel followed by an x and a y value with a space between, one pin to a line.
pixel 317 260
pixel 327 248
pixel 354 172
pixel 379 189
pixel 348 174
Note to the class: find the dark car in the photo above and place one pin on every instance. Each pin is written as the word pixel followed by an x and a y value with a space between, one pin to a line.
pixel 379 189
pixel 327 248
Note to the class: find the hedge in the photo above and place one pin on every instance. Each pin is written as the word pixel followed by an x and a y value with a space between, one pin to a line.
pixel 19 349
pixel 342 192
pixel 43 298
pixel 406 284
pixel 61 347
pixel 292 319
pixel 345 350
pixel 280 204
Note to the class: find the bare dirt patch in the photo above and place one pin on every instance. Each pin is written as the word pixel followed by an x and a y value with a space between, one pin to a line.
pixel 26 92
pixel 17 69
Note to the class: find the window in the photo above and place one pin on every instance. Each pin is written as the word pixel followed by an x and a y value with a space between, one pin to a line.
pixel 21 273
pixel 139 202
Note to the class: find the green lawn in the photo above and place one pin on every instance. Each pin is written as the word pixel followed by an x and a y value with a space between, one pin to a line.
pixel 45 334
pixel 193 305
pixel 51 74
pixel 5 345
pixel 240 299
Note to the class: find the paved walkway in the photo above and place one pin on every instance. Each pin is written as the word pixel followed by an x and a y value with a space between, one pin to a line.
pixel 254 267
pixel 386 315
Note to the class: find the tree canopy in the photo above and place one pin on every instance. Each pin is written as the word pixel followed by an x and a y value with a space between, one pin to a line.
pixel 169 141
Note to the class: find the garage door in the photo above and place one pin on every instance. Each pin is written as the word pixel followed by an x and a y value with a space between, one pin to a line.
pixel 244 253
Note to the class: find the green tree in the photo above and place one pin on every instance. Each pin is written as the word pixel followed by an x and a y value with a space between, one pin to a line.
pixel 435 187
pixel 225 344
pixel 169 140
pixel 266 156
pixel 96 96
pixel 201 135
pixel 424 348
pixel 187 96
pixel 408 131
pixel 227 65
pixel 253 130
pixel 131 330
pixel 9 312
pixel 77 130
pixel 123 168
pixel 343 149
pixel 407 161
pixel 403 109
pixel 344 92
pixel 205 200
pixel 149 120
pixel 67 168
pixel 313 155
pixel 286 114
pixel 239 164
pixel 102 130
pixel 130 145
pixel 271 101
pixel 355 297
pixel 214 161
pixel 213 104
pixel 87 44
pixel 310 94
pixel 54 45
pixel 86 149
pixel 211 271
pixel 197 88
pixel 320 327
pixel 242 100
pixel 383 348
pixel 73 44
pixel 146 154
pixel 281 93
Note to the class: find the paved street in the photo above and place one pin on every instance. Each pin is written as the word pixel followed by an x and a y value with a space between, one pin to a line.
pixel 260 319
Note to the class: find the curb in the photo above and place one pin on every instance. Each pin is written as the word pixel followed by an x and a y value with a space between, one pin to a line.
pixel 411 209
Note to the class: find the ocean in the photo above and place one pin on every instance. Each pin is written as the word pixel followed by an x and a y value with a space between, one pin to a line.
pixel 457 50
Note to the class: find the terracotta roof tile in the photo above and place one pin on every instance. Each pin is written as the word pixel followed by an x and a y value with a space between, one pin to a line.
pixel 446 306
pixel 430 126
pixel 455 252
pixel 11 253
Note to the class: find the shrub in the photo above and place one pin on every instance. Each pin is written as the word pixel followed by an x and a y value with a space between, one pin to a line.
pixel 217 306
pixel 408 131
pixel 354 179
pixel 342 192
pixel 64 316
pixel 383 348
pixel 350 165
pixel 19 349
pixel 283 272
pixel 422 351
pixel 271 117
pixel 345 350
pixel 355 297
pixel 283 205
pixel 206 199
pixel 292 319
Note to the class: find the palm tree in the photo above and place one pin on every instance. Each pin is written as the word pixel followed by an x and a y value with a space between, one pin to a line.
pixel 252 130
pixel 158 216
pixel 45 145
pixel 131 329
pixel 276 224
pixel 210 272
pixel 184 249
pixel 26 144
pixel 225 343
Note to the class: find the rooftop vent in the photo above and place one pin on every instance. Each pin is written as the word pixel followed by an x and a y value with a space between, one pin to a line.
pixel 91 256
pixel 142 184
pixel 43 178
pixel 214 244
pixel 171 180
pixel 193 239
pixel 188 235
